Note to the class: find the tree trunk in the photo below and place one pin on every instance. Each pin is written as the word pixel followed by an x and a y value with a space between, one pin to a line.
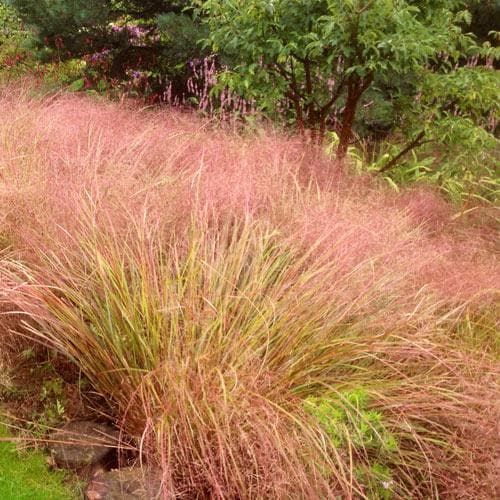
pixel 355 88
pixel 322 129
pixel 348 120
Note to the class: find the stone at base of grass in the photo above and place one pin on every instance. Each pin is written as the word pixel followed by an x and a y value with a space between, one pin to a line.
pixel 125 484
pixel 82 444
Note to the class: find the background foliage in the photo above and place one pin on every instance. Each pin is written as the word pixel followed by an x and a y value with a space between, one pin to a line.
pixel 408 88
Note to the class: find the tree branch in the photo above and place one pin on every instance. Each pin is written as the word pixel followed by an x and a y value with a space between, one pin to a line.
pixel 290 78
pixel 413 144
pixel 335 96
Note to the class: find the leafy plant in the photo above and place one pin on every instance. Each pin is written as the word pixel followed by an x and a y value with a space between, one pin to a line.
pixel 461 161
pixel 347 419
pixel 377 481
pixel 67 74
pixel 446 130
pixel 353 427
pixel 52 413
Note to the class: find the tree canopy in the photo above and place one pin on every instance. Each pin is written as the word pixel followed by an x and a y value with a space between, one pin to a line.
pixel 323 55
pixel 77 27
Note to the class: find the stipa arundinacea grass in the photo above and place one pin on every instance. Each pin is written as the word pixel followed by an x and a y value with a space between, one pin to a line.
pixel 243 365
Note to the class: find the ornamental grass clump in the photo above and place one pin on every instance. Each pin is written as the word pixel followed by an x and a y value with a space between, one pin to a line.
pixel 223 350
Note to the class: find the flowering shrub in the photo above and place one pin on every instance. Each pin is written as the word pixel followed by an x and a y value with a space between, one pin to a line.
pixel 98 65
pixel 134 34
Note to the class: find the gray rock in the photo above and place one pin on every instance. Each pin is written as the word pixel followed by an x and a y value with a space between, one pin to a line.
pixel 82 443
pixel 125 484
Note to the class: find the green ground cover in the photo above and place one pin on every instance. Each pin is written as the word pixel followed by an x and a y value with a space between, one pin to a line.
pixel 26 476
